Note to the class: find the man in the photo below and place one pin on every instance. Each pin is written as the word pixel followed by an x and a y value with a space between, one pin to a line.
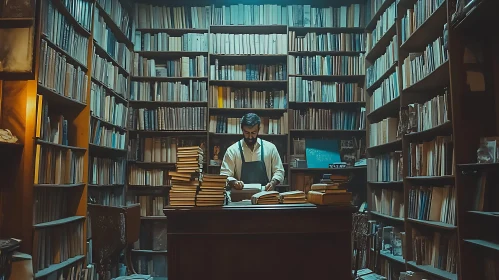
pixel 252 161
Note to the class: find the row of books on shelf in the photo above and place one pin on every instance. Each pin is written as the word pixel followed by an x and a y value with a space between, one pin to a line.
pixel 248 72
pixel 191 90
pixel 438 250
pixel 429 114
pixel 107 196
pixel 229 97
pixel 106 171
pixel 416 16
pixel 81 10
pixel 383 24
pixel 431 158
pixel 50 127
pixel 339 42
pixel 57 29
pixel 151 206
pixel 326 65
pixel 223 124
pixel 419 65
pixel 388 202
pixel 57 165
pixel 119 14
pixel 328 119
pixel 149 16
pixel 248 44
pixel 433 204
pixel 383 63
pixel 168 118
pixel 50 204
pixel 106 39
pixel 383 132
pixel 106 107
pixel 386 92
pixel 106 137
pixel 54 245
pixel 302 89
pixel 178 67
pixel 164 42
pixel 385 168
pixel 153 149
pixel 109 75
pixel 148 177
pixel 57 74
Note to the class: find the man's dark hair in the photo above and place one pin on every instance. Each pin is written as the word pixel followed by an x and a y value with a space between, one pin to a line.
pixel 250 119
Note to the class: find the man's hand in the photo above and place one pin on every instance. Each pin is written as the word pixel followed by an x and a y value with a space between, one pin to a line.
pixel 238 185
pixel 271 185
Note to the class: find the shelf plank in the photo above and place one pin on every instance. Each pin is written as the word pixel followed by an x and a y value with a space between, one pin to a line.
pixel 326 105
pixel 58 185
pixel 396 219
pixel 173 31
pixel 466 167
pixel 372 23
pixel 159 252
pixel 55 98
pixel 171 54
pixel 390 109
pixel 252 84
pixel 55 267
pixel 483 244
pixel 119 98
pixel 106 151
pixel 437 180
pixel 428 31
pixel 383 42
pixel 152 104
pixel 241 111
pixel 444 129
pixel 59 222
pixel 249 29
pixel 385 148
pixel 383 77
pixel 301 30
pixel 46 143
pixel 332 78
pixel 324 53
pixel 106 186
pixel 433 271
pixel 384 185
pixel 433 224
pixel 166 79
pixel 437 79
pixel 398 259
pixel 328 170
pixel 153 218
pixel 108 124
pixel 485 214
pixel 247 58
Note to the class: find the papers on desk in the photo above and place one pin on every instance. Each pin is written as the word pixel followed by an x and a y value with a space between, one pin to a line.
pixel 253 187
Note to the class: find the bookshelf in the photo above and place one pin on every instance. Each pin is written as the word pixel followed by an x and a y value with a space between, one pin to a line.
pixel 410 115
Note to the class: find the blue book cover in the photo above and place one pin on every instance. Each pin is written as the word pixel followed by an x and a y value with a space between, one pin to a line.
pixel 322 152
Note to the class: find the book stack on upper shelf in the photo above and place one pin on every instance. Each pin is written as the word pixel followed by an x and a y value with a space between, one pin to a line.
pixel 212 190
pixel 186 179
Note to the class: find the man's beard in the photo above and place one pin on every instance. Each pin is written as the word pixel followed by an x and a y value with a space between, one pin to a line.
pixel 250 141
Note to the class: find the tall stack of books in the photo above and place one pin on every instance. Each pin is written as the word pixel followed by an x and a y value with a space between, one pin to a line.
pixel 212 191
pixel 331 191
pixel 185 180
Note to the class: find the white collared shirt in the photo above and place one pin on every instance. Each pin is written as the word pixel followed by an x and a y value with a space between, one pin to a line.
pixel 232 162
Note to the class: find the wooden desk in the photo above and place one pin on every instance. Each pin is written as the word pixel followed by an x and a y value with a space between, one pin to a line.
pixel 242 241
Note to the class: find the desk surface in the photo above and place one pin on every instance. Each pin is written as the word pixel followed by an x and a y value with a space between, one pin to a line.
pixel 247 206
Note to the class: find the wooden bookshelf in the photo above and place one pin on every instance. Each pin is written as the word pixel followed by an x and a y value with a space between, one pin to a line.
pixel 422 91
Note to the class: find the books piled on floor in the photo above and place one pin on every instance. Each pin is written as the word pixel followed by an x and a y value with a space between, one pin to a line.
pixel 185 180
pixel 292 197
pixel 265 197
pixel 212 190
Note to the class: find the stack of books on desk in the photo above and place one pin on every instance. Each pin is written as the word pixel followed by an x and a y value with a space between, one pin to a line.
pixel 212 190
pixel 265 197
pixel 292 197
pixel 185 180
pixel 329 194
